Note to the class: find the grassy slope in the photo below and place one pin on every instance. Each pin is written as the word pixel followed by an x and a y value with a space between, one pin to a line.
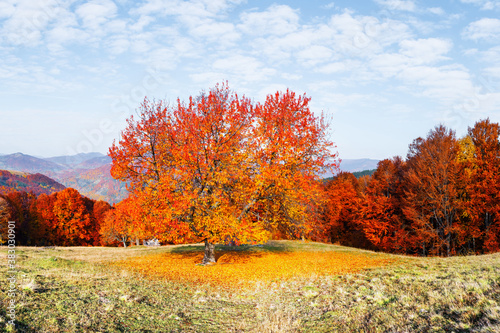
pixel 69 290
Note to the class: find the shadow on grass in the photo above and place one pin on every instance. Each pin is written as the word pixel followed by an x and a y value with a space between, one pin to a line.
pixel 267 247
pixel 244 252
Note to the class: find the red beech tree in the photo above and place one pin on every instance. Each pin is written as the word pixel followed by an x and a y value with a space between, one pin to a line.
pixel 383 222
pixel 342 212
pixel 99 210
pixel 432 200
pixel 120 224
pixel 224 167
pixel 74 223
pixel 484 185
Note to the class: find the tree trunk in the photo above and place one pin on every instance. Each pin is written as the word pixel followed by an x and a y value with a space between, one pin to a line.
pixel 209 257
pixel 137 241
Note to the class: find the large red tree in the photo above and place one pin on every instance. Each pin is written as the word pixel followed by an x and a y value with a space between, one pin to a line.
pixel 225 167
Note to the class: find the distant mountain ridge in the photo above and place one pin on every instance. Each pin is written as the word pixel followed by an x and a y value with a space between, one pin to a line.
pixel 88 173
pixel 356 165
pixel 353 165
pixel 27 163
pixel 72 160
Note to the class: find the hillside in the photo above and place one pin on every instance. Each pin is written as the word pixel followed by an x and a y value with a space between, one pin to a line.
pixel 95 183
pixel 89 173
pixel 22 181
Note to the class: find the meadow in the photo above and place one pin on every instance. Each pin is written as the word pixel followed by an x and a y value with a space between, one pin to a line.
pixel 282 286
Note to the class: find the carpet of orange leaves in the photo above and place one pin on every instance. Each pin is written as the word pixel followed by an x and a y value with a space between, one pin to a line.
pixel 238 268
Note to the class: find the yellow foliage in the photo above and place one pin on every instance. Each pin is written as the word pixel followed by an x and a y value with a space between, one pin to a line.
pixel 235 269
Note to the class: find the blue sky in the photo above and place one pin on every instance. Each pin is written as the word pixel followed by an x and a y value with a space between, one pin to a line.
pixel 383 71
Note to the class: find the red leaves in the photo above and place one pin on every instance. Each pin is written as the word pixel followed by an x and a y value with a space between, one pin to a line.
pixel 223 166
pixel 442 201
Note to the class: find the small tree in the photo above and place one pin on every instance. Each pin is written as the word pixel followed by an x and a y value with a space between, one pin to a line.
pixel 119 224
pixel 223 167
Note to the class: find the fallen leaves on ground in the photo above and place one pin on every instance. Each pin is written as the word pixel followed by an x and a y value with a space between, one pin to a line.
pixel 239 268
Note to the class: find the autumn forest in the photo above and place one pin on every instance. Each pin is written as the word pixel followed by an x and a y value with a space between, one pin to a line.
pixel 220 168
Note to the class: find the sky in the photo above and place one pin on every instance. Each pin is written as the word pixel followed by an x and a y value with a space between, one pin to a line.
pixel 383 72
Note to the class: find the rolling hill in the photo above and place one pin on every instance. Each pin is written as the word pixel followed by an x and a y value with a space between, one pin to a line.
pixel 22 181
pixel 95 183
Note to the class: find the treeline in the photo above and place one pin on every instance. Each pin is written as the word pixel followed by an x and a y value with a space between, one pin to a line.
pixel 67 218
pixel 64 218
pixel 442 200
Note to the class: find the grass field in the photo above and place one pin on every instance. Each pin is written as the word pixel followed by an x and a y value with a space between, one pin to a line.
pixel 283 286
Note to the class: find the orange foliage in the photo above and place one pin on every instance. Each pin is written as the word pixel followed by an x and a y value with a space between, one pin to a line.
pixel 382 219
pixel 443 200
pixel 222 167
pixel 483 185
pixel 342 213
pixel 237 268
pixel 75 225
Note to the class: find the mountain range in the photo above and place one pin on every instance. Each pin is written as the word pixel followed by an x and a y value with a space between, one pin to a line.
pixel 89 173
pixel 356 165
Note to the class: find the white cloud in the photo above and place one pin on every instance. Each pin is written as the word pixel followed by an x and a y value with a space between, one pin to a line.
pixel 194 8
pixel 96 12
pixel 334 67
pixel 436 10
pixel 425 51
pixel 64 34
pixel 491 57
pixel 247 68
pixel 486 29
pixel 6 9
pixel 276 20
pixel 291 77
pixel 314 55
pixel 25 25
pixel 446 84
pixel 118 45
pixel 399 5
pixel 141 23
pixel 484 4
pixel 221 32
